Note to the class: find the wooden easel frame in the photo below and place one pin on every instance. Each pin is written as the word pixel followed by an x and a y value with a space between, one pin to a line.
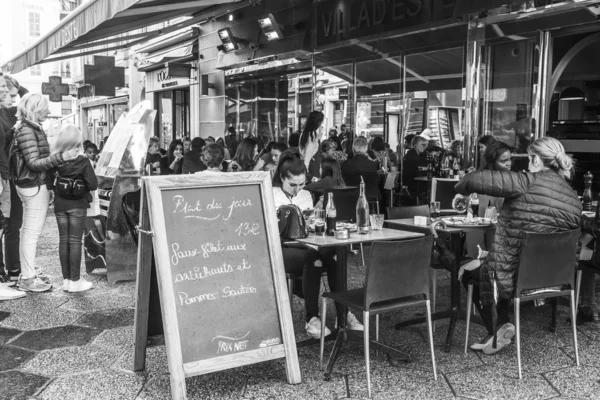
pixel 152 235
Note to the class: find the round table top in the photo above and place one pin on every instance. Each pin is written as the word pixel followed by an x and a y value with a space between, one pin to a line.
pixel 424 179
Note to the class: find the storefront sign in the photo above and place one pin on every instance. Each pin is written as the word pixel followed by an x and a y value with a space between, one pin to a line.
pixel 342 20
pixel 161 80
pixel 496 95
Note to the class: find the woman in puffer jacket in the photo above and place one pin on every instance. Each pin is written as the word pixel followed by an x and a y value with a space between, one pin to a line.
pixel 539 201
pixel 32 111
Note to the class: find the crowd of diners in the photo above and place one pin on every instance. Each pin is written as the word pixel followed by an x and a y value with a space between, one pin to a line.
pixel 309 163
pixel 302 168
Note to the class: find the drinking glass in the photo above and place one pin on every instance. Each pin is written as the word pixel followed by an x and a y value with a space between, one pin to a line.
pixel 376 221
pixel 491 213
pixel 460 203
pixel 319 216
pixel 434 209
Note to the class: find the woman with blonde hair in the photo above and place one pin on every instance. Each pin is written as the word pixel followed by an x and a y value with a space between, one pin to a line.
pixel 72 183
pixel 32 142
pixel 539 201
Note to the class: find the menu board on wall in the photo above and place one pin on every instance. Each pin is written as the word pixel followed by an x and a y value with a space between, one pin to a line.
pixel 220 271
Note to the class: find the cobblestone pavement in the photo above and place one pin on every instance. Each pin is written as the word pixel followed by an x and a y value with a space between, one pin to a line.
pixel 63 346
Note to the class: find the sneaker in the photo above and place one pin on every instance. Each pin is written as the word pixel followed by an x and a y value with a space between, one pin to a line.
pixel 66 283
pixel 5 280
pixel 33 285
pixel 44 278
pixel 79 286
pixel 313 328
pixel 482 343
pixel 504 336
pixel 7 293
pixel 353 324
pixel 14 275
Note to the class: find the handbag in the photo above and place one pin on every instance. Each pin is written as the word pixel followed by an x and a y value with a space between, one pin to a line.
pixel 20 173
pixel 291 223
pixel 70 188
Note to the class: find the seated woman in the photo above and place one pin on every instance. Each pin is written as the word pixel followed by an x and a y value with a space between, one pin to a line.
pixel 538 201
pixel 329 148
pixel 212 156
pixel 274 154
pixel 288 188
pixel 331 177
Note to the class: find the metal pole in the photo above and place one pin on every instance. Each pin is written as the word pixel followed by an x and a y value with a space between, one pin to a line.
pixel 545 72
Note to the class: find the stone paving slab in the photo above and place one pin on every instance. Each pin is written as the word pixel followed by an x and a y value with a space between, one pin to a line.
pixel 6 334
pixel 104 384
pixel 122 337
pixel 13 357
pixel 17 385
pixel 51 338
pixel 580 382
pixel 108 319
pixel 72 360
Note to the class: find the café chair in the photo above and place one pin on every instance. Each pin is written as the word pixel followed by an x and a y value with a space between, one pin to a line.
pixel 397 277
pixel 547 260
pixel 443 191
pixel 408 212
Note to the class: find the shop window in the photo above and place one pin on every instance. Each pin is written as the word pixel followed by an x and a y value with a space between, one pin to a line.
pixel 34 24
pixel 35 70
pixel 65 69
pixel 66 107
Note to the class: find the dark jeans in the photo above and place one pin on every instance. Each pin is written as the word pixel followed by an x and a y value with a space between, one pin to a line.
pixel 11 236
pixel 485 311
pixel 588 285
pixel 71 224
pixel 300 260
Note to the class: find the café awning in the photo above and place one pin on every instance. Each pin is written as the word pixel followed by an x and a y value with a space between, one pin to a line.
pixel 464 7
pixel 99 26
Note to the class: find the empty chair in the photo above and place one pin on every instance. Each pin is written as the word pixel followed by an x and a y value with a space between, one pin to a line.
pixel 547 260
pixel 397 277
pixel 408 212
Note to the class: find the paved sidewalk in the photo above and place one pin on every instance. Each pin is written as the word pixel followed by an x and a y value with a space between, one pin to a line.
pixel 63 346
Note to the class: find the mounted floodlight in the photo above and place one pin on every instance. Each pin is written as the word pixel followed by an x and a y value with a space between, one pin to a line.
pixel 270 28
pixel 230 42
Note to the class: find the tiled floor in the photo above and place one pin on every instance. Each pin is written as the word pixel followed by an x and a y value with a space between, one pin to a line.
pixel 64 346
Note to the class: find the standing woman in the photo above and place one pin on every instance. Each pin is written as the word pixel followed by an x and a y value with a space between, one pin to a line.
pixel 71 209
pixel 175 157
pixel 309 142
pixel 32 111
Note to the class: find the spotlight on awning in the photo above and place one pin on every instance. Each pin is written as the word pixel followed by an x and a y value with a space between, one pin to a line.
pixel 230 42
pixel 270 28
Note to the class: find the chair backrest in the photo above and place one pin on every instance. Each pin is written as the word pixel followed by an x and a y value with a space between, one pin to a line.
pixel 398 269
pixel 408 212
pixel 547 259
pixel 443 191
pixel 372 179
pixel 345 202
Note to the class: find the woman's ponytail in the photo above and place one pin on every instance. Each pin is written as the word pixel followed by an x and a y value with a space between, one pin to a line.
pixel 552 153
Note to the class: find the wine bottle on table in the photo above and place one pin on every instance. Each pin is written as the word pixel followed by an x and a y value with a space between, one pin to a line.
pixel 362 210
pixel 587 193
pixel 331 216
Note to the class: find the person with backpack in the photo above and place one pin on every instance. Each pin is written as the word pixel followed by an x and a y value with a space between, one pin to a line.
pixel 30 159
pixel 71 183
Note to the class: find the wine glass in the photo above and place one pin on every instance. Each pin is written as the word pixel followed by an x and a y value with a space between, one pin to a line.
pixel 461 203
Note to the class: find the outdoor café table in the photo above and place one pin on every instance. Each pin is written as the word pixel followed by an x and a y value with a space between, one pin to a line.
pixel 453 312
pixel 342 255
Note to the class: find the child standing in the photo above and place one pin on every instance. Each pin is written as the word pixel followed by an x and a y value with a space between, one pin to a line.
pixel 72 184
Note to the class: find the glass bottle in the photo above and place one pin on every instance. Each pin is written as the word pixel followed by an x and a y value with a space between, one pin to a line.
pixel 455 167
pixel 331 215
pixel 362 210
pixel 587 193
pixel 450 168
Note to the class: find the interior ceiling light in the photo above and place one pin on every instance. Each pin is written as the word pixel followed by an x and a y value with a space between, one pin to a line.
pixel 270 28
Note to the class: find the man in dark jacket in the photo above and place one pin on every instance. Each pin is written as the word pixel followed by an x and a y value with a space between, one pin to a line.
pixel 191 160
pixel 362 165
pixel 414 158
pixel 8 119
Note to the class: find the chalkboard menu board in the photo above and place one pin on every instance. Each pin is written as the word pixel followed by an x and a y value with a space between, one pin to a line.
pixel 220 273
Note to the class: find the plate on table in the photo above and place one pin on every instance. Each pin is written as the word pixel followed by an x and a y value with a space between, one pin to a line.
pixel 465 222
pixel 346 225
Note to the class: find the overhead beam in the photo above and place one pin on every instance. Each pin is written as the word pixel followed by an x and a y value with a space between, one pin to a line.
pixel 391 60
pixel 134 12
pixel 347 75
